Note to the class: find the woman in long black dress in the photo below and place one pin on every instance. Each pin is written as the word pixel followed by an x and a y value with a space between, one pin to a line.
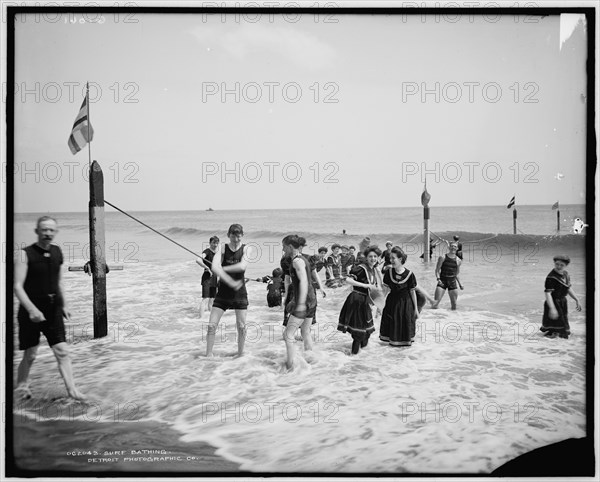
pixel 356 316
pixel 555 321
pixel 401 310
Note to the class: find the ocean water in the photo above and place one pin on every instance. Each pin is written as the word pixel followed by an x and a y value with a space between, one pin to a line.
pixel 478 387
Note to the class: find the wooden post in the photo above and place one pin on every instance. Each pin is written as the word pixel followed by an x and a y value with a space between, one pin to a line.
pixel 97 249
pixel 426 245
pixel 558 220
pixel 514 220
pixel 425 198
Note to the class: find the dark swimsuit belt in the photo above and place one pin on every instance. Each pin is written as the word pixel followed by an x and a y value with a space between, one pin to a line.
pixel 49 296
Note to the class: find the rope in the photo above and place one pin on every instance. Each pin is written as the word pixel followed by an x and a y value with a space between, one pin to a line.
pixel 440 238
pixel 526 235
pixel 479 240
pixel 152 229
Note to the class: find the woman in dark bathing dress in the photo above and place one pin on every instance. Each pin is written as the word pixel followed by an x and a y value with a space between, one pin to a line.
pixel 303 306
pixel 555 321
pixel 401 309
pixel 356 316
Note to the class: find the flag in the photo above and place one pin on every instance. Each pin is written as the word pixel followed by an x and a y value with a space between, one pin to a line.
pixel 79 135
pixel 555 205
pixel 425 197
pixel 511 203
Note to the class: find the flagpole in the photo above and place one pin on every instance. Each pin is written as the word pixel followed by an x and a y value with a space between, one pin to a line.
pixel 89 122
pixel 425 198
pixel 97 237
pixel 515 217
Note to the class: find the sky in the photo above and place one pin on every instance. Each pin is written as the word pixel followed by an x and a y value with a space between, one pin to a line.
pixel 192 111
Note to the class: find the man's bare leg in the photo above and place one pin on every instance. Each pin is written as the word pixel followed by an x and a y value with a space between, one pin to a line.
pixel 213 322
pixel 453 294
pixel 288 336
pixel 29 356
pixel 61 352
pixel 240 320
pixel 439 294
pixel 306 336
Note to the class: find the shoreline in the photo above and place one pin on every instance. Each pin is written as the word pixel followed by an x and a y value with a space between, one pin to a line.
pixel 47 447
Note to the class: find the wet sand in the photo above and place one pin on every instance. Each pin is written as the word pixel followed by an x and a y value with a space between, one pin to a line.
pixel 47 447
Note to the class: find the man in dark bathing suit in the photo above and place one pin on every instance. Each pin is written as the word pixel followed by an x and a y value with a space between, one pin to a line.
pixel 446 271
pixel 38 287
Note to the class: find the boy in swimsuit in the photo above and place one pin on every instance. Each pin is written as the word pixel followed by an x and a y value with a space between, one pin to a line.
pixel 275 288
pixel 229 264
pixel 351 261
pixel 459 251
pixel 333 268
pixel 209 280
pixel 385 256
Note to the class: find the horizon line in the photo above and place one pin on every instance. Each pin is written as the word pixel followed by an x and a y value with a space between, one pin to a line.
pixel 305 209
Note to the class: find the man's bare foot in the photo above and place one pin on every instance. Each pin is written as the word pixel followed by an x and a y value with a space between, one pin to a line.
pixel 435 304
pixel 76 395
pixel 23 392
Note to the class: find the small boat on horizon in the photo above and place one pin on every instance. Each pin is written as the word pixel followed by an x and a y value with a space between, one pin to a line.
pixel 210 209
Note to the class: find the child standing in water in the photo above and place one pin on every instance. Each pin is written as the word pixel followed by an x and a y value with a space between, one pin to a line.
pixel 401 309
pixel 555 321
pixel 209 279
pixel 275 287
pixel 356 316
pixel 333 268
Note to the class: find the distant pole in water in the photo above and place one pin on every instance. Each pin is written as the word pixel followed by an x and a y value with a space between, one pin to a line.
pixel 425 198
pixel 511 204
pixel 97 249
pixel 556 206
